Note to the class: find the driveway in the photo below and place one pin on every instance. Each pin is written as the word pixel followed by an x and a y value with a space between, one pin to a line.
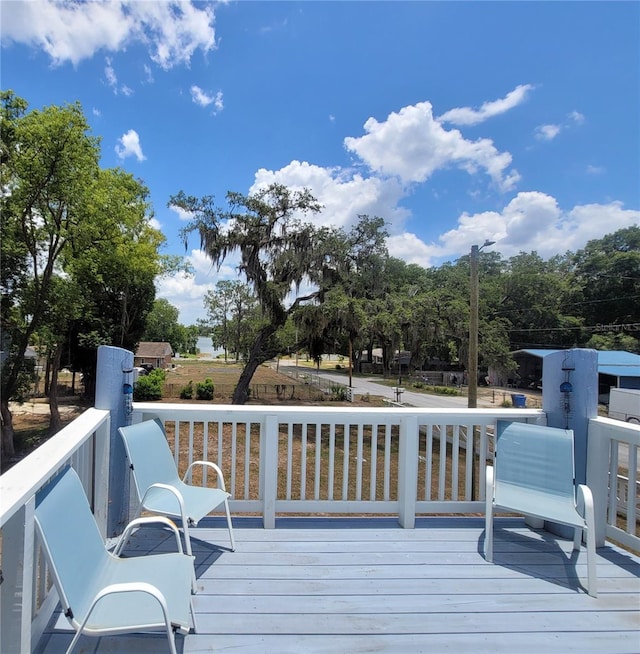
pixel 364 385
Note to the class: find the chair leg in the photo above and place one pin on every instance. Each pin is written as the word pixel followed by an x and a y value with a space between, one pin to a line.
pixel 585 503
pixel 187 547
pixel 231 538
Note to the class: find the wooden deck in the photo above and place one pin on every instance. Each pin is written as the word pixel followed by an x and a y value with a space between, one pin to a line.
pixel 357 585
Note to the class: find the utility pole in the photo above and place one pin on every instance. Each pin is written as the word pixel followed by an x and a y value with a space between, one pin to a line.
pixel 472 399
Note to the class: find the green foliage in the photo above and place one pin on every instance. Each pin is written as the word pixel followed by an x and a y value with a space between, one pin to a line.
pixel 204 390
pixel 149 387
pixel 436 390
pixel 162 326
pixel 338 393
pixel 186 392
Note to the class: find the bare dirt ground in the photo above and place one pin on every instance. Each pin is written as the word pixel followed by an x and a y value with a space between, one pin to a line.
pixel 31 419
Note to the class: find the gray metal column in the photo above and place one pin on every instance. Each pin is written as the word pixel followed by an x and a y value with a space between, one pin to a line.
pixel 113 372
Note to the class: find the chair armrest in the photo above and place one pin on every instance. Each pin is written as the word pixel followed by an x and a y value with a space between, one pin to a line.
pixel 171 489
pixel 134 525
pixel 584 500
pixel 214 467
pixel 129 587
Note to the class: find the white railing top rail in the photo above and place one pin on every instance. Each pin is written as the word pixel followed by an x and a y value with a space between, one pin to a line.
pixel 26 477
pixel 617 430
pixel 310 414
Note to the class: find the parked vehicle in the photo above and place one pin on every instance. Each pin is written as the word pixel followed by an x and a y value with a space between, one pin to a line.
pixel 624 404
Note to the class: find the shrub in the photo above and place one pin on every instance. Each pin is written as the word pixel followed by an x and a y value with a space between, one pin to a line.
pixel 204 390
pixel 147 389
pixel 338 393
pixel 186 393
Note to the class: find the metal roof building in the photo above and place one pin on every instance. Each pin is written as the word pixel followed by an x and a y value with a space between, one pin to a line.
pixel 616 368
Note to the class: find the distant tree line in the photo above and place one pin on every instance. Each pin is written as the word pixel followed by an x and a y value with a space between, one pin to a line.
pixel 359 297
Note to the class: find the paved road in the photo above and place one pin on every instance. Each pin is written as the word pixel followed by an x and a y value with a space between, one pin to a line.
pixel 362 386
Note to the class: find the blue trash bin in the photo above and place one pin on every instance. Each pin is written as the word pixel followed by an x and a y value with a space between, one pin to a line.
pixel 519 401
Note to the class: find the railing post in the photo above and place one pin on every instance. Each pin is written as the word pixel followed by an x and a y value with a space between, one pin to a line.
pixel 113 369
pixel 16 589
pixel 598 478
pixel 408 471
pixel 269 455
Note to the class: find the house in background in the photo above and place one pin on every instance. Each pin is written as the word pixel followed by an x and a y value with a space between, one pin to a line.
pixel 153 354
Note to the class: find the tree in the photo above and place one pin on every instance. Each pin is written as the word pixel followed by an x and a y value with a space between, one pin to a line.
pixel 79 253
pixel 607 285
pixel 49 162
pixel 278 252
pixel 115 263
pixel 231 311
pixel 162 326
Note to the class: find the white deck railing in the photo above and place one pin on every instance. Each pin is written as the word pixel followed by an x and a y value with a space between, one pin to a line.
pixel 614 444
pixel 333 460
pixel 27 599
pixel 279 460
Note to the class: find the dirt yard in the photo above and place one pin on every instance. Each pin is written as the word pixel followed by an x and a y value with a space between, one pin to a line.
pixel 31 419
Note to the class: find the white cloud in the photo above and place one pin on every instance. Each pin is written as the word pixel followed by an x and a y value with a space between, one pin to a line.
pixel 129 146
pixel 186 291
pixel 412 249
pixel 343 194
pixel 203 99
pixel 75 30
pixel 533 221
pixel 577 117
pixel 112 80
pixel 110 74
pixel 550 131
pixel 547 132
pixel 469 116
pixel 412 145
pixel 595 170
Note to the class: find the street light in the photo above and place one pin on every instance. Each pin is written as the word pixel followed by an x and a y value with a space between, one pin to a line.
pixel 472 401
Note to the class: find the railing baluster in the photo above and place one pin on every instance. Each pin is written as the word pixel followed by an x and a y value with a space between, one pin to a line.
pixel 247 458
pixel 303 463
pixel 316 484
pixel 359 461
pixel 387 462
pixel 289 459
pixel 332 460
pixel 442 480
pixel 428 462
pixel 373 477
pixel 205 450
pixel 455 461
pixel 234 455
pixel 345 463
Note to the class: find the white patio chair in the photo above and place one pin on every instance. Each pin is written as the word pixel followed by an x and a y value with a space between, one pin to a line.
pixel 100 593
pixel 160 489
pixel 533 474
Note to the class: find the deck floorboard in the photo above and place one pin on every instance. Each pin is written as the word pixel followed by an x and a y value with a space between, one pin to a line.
pixel 356 585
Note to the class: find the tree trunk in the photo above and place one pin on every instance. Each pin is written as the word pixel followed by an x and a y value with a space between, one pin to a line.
pixel 8 433
pixel 55 423
pixel 257 355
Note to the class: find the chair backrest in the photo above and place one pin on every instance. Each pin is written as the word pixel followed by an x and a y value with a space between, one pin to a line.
pixel 535 457
pixel 70 537
pixel 149 454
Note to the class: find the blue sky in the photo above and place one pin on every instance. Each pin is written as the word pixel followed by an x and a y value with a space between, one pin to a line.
pixel 455 121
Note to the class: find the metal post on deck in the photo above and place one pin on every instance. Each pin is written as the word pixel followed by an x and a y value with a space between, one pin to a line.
pixel 570 400
pixel 113 370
